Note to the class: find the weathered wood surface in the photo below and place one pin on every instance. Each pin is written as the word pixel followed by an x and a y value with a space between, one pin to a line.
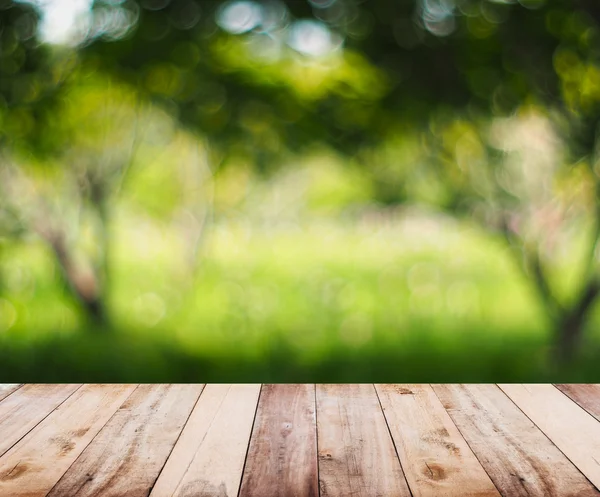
pixel 282 456
pixel 128 454
pixel 587 396
pixel 209 457
pixel 574 431
pixel 7 388
pixel 433 453
pixel 34 465
pixel 26 407
pixel 356 454
pixel 519 458
pixel 299 440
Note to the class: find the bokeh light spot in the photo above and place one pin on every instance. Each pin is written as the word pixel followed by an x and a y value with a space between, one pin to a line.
pixel 310 38
pixel 239 17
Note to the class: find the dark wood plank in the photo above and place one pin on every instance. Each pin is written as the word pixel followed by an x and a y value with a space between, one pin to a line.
pixel 208 458
pixel 34 465
pixel 575 432
pixel 356 453
pixel 587 396
pixel 25 408
pixel 433 453
pixel 282 456
pixel 7 388
pixel 128 454
pixel 518 457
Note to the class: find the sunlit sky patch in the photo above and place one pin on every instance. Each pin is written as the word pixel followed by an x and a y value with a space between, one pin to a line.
pixel 61 19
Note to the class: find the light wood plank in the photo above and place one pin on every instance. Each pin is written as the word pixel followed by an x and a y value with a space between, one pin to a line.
pixel 517 456
pixel 433 453
pixel 128 454
pixel 7 388
pixel 586 395
pixel 34 465
pixel 25 408
pixel 282 456
pixel 356 453
pixel 575 432
pixel 208 458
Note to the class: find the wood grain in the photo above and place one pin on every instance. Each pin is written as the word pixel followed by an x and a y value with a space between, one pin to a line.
pixel 575 432
pixel 282 456
pixel 25 408
pixel 127 455
pixel 7 388
pixel 209 456
pixel 587 396
pixel 33 466
pixel 182 441
pixel 433 453
pixel 517 456
pixel 356 453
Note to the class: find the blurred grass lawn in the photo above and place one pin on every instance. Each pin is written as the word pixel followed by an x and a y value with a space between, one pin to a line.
pixel 426 300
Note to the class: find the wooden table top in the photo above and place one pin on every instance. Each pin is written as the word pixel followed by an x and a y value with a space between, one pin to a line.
pixel 299 440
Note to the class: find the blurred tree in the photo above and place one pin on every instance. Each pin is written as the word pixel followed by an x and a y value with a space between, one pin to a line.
pixel 426 66
pixel 69 138
pixel 69 191
pixel 423 82
pixel 105 133
pixel 32 76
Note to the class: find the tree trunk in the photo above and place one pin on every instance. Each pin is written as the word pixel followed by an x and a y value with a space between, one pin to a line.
pixel 89 298
pixel 96 313
pixel 569 336
pixel 572 323
pixel 84 285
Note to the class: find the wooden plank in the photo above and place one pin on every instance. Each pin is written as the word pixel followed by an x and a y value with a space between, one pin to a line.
pixel 356 453
pixel 587 396
pixel 433 453
pixel 7 388
pixel 25 408
pixel 34 465
pixel 127 455
pixel 282 456
pixel 208 458
pixel 517 456
pixel 575 432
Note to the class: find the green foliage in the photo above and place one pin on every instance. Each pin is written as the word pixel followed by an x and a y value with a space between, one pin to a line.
pixel 424 299
pixel 31 76
pixel 168 116
pixel 133 359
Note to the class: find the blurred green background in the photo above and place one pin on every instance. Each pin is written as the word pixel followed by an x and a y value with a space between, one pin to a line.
pixel 299 190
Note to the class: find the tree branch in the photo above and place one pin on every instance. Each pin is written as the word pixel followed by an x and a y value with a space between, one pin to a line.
pixel 531 265
pixel 595 238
